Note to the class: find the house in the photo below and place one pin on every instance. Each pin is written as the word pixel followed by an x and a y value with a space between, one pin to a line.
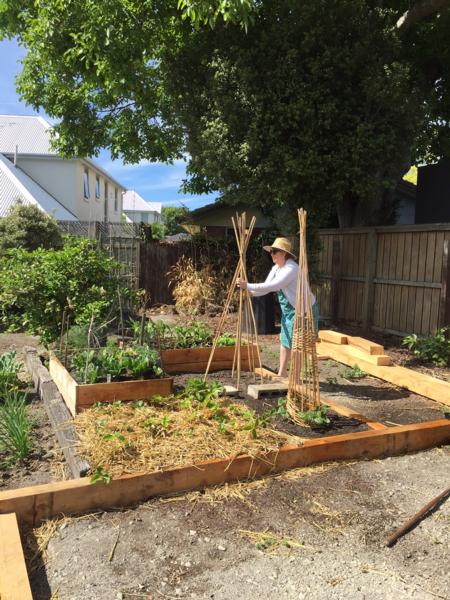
pixel 215 219
pixel 138 210
pixel 76 189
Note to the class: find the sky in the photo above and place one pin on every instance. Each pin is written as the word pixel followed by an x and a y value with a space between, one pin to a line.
pixel 155 182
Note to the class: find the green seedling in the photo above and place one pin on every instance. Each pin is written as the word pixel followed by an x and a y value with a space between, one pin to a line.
pixel 351 373
pixel 115 436
pixel 332 381
pixel 100 476
pixel 316 418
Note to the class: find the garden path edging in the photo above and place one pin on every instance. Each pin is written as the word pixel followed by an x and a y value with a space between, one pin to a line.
pixel 59 415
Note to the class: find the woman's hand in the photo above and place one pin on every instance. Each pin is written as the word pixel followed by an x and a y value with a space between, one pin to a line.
pixel 241 283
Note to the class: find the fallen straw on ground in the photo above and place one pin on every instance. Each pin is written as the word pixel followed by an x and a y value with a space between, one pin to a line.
pixel 130 438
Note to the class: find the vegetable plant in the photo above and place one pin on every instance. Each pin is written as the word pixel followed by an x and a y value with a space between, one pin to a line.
pixel 134 362
pixel 194 335
pixel 9 368
pixel 100 476
pixel 434 349
pixel 351 373
pixel 15 425
pixel 316 418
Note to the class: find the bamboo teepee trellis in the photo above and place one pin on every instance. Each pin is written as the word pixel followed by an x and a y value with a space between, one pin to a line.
pixel 303 387
pixel 245 307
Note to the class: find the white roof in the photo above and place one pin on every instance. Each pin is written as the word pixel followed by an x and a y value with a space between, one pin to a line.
pixel 30 134
pixel 15 184
pixel 132 201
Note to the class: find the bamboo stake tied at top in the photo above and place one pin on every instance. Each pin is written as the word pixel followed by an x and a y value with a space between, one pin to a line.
pixel 245 307
pixel 303 387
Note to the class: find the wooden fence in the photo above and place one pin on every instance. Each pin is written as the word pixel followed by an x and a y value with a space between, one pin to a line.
pixel 121 240
pixel 392 279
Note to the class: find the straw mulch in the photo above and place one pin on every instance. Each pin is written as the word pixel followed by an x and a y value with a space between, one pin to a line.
pixel 131 438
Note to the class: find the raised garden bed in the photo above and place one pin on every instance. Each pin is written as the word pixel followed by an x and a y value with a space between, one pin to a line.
pixel 81 396
pixel 195 360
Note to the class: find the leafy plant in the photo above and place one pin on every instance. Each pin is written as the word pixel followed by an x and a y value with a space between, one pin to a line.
pixel 434 349
pixel 316 418
pixel 195 335
pixel 38 287
pixel 332 380
pixel 114 436
pixel 134 362
pixel 9 367
pixel 226 339
pixel 202 392
pixel 26 226
pixel 15 425
pixel 100 476
pixel 354 372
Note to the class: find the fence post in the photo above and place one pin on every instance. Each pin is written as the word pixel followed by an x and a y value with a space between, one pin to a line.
pixel 369 285
pixel 335 274
pixel 444 306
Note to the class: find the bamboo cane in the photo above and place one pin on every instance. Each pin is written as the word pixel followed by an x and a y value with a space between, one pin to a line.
pixel 303 387
pixel 231 291
pixel 245 308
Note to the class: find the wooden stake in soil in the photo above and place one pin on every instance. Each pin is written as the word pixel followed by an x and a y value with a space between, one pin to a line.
pixel 303 387
pixel 245 307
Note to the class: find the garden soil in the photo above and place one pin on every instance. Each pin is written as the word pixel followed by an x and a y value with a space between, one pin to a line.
pixel 334 518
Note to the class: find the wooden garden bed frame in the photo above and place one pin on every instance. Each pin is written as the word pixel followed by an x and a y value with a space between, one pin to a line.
pixel 195 360
pixel 78 397
pixel 31 505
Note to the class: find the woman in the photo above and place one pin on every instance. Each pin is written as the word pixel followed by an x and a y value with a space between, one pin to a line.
pixel 282 279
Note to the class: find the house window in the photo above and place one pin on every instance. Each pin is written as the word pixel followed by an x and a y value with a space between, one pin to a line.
pixel 97 186
pixel 106 202
pixel 116 207
pixel 86 183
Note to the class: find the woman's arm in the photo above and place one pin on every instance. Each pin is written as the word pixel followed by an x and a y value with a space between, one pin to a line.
pixel 275 282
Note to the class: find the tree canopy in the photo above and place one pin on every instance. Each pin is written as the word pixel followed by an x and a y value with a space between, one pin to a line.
pixel 279 103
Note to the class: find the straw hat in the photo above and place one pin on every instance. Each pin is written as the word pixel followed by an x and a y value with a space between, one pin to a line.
pixel 281 243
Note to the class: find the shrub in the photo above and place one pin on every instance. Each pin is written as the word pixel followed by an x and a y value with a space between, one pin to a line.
pixel 37 287
pixel 434 349
pixel 15 426
pixel 26 226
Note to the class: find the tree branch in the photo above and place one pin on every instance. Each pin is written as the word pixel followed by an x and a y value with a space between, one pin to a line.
pixel 420 11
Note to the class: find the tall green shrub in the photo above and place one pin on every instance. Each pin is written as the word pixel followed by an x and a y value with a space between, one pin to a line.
pixel 26 226
pixel 37 287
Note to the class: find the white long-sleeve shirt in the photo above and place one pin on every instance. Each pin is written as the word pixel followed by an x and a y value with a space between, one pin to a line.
pixel 280 278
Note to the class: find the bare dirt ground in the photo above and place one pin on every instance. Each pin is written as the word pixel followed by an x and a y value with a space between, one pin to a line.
pixel 326 531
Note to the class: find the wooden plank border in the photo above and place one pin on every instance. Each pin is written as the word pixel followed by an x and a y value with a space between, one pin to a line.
pixel 14 583
pixel 419 383
pixel 34 504
pixel 195 360
pixel 80 396
pixel 57 411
